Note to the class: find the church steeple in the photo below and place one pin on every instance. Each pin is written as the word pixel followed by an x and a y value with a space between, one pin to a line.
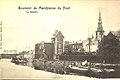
pixel 100 16
pixel 100 31
pixel 100 27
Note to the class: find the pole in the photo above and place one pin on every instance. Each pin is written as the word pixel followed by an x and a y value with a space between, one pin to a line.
pixel 89 45
pixel 89 39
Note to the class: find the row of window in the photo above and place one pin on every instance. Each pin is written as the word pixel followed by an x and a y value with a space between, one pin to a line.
pixel 75 46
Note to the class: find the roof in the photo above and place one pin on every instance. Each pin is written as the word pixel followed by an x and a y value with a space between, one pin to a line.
pixel 116 33
pixel 56 33
pixel 42 42
pixel 111 34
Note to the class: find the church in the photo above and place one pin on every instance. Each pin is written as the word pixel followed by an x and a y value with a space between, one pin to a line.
pixel 91 45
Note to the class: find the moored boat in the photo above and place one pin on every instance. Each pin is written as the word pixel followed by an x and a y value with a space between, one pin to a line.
pixel 76 70
pixel 105 71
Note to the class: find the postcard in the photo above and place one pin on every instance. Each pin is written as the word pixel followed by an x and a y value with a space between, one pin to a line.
pixel 59 39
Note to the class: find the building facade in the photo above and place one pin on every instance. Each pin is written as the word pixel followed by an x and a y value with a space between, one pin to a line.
pixel 58 40
pixel 44 50
pixel 93 45
pixel 75 46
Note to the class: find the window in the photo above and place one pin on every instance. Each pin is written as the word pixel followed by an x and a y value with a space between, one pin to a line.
pixel 73 46
pixel 59 51
pixel 60 46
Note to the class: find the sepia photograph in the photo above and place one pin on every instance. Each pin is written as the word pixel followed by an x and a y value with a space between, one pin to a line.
pixel 59 39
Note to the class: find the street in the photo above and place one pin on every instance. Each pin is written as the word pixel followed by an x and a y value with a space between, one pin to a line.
pixel 9 70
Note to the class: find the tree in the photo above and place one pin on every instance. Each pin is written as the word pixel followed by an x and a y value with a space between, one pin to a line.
pixel 109 47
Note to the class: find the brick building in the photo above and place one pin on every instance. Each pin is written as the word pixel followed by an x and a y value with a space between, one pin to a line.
pixel 44 50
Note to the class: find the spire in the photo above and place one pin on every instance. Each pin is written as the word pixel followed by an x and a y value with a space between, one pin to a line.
pixel 100 31
pixel 100 28
pixel 100 19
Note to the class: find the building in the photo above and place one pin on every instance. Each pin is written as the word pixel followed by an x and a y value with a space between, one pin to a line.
pixel 75 46
pixel 10 51
pixel 58 40
pixel 27 54
pixel 117 34
pixel 44 50
pixel 50 50
pixel 93 45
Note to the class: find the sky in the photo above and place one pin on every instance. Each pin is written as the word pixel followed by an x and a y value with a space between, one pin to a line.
pixel 22 29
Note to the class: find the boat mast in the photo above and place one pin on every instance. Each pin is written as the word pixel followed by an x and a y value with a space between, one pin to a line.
pixel 89 39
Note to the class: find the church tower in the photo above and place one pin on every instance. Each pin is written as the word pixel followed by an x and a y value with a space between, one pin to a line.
pixel 100 31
